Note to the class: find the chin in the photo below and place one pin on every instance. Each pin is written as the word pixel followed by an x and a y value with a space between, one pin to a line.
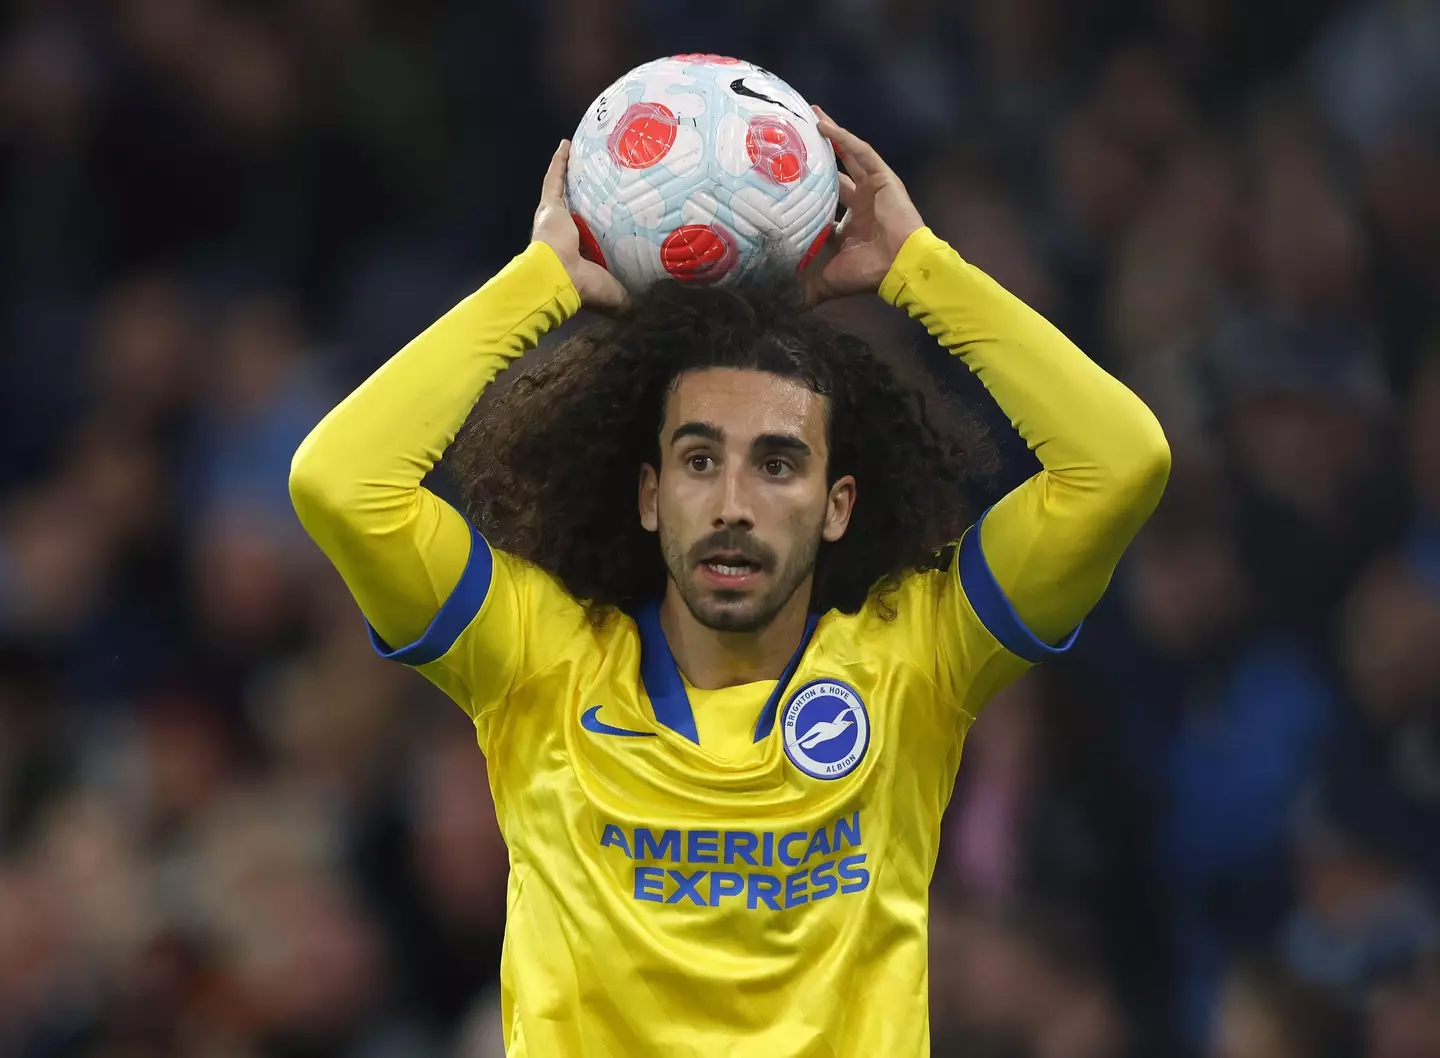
pixel 746 615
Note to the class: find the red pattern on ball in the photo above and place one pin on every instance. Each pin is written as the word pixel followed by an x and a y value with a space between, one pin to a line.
pixel 776 149
pixel 815 247
pixel 698 253
pixel 706 56
pixel 589 245
pixel 642 136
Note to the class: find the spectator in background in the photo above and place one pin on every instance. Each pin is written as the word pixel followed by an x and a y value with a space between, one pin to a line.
pixel 260 398
pixel 994 807
pixel 1388 775
pixel 1376 69
pixel 1022 984
pixel 1373 72
pixel 1300 421
pixel 1298 386
pixel 1358 911
pixel 1264 1013
pixel 1207 691
pixel 1402 1016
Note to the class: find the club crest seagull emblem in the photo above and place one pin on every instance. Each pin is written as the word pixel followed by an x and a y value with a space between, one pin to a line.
pixel 826 729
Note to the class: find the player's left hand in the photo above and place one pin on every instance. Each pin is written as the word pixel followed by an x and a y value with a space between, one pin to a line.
pixel 555 226
pixel 879 218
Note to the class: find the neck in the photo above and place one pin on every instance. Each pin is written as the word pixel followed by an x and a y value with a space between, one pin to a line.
pixel 710 659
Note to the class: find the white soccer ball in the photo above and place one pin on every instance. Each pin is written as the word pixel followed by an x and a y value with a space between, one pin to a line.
pixel 700 168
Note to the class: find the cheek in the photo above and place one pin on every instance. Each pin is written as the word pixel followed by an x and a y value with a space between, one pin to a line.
pixel 677 501
pixel 798 515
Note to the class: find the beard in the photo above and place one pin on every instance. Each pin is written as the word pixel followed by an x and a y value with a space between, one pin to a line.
pixel 743 610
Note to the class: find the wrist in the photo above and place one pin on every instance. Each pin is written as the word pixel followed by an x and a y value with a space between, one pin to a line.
pixel 550 263
pixel 917 246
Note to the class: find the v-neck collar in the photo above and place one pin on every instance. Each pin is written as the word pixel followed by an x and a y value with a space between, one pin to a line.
pixel 666 689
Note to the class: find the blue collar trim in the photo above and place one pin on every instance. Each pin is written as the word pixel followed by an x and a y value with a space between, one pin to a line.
pixel 666 689
pixel 767 715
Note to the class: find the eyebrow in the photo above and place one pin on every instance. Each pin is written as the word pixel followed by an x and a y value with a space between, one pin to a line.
pixel 780 442
pixel 708 430
pixel 771 442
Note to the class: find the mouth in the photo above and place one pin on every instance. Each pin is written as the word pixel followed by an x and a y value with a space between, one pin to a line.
pixel 729 569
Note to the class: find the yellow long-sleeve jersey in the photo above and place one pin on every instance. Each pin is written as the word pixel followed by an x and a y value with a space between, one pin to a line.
pixel 740 871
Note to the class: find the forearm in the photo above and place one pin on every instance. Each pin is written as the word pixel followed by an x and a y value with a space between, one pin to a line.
pixel 355 480
pixel 1053 543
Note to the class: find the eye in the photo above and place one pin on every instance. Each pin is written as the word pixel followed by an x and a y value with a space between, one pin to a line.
pixel 700 463
pixel 775 467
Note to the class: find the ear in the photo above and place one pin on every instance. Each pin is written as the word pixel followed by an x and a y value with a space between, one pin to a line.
pixel 838 508
pixel 649 498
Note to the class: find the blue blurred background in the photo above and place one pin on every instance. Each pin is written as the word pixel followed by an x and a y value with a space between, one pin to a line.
pixel 227 832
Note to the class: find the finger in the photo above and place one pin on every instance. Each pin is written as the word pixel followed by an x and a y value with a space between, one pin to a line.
pixel 553 189
pixel 848 165
pixel 847 191
pixel 813 289
pixel 823 255
pixel 604 293
pixel 820 117
pixel 618 296
pixel 826 125
pixel 851 171
pixel 860 158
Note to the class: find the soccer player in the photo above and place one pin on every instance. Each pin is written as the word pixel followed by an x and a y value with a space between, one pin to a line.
pixel 718 655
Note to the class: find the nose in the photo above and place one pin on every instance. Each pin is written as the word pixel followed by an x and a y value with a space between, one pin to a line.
pixel 735 511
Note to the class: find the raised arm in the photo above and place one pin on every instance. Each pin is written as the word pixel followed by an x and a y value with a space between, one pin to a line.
pixel 355 481
pixel 1052 544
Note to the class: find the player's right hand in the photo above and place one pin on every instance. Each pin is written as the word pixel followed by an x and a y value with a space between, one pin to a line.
pixel 554 226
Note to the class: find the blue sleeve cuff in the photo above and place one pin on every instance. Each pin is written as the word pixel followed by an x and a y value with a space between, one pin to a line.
pixel 994 609
pixel 455 613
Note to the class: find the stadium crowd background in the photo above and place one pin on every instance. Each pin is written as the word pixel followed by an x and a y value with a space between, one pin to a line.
pixel 229 832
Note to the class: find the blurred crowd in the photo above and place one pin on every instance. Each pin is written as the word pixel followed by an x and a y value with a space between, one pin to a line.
pixel 226 831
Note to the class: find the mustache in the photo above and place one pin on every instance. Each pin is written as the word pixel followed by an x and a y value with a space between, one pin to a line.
pixel 735 541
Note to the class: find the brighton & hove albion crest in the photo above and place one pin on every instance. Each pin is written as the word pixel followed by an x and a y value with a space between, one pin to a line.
pixel 826 729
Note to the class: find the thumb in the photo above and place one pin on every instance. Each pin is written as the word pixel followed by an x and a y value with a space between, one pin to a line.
pixel 552 190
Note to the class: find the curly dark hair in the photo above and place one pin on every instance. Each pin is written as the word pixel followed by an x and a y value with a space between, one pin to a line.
pixel 549 470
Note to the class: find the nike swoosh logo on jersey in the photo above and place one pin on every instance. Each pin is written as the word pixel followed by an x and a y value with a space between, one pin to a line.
pixel 740 88
pixel 591 721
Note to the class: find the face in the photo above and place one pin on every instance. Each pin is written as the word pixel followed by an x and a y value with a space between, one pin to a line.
pixel 1244 1028
pixel 740 499
pixel 1403 1017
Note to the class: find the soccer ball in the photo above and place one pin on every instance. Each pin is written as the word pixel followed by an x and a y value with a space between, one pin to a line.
pixel 701 168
